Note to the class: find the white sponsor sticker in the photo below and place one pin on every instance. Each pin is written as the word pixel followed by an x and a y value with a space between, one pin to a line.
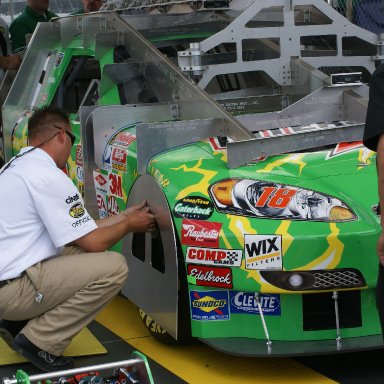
pixel 263 252
pixel 214 256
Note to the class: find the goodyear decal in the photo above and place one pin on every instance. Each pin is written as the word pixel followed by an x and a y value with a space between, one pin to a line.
pixel 194 207
pixel 209 305
pixel 245 302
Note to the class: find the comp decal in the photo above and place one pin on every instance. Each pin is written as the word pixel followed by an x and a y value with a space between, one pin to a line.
pixel 209 305
pixel 263 252
pixel 200 233
pixel 210 276
pixel 214 256
pixel 194 207
pixel 245 302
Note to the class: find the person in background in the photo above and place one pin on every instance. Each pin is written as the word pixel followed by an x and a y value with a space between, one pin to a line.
pixel 55 271
pixel 5 47
pixel 89 6
pixel 374 139
pixel 36 11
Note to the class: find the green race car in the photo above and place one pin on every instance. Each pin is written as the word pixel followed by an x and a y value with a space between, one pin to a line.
pixel 267 224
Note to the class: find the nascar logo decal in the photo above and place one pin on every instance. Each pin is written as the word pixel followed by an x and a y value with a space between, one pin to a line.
pixel 209 305
pixel 263 252
pixel 214 256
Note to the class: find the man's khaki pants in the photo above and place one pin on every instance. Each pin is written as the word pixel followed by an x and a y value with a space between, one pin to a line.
pixel 75 287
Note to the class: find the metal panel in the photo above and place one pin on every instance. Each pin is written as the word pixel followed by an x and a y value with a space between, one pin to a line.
pixel 153 291
pixel 158 137
pixel 241 152
pixel 109 120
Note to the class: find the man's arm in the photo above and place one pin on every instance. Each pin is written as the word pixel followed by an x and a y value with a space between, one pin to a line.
pixel 103 237
pixel 380 174
pixel 10 62
pixel 114 219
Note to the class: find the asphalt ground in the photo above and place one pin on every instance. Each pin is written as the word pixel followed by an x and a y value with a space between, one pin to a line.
pixel 120 329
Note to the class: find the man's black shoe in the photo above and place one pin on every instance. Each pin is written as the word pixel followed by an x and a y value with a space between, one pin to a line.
pixel 9 329
pixel 42 359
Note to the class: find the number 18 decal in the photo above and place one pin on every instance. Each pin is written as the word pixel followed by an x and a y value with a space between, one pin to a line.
pixel 275 197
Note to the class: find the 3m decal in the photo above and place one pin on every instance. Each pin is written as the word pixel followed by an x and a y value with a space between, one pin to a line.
pixel 209 305
pixel 194 207
pixel 119 159
pixel 263 252
pixel 211 276
pixel 200 233
pixel 245 302
pixel 115 186
pixel 77 210
pixel 214 256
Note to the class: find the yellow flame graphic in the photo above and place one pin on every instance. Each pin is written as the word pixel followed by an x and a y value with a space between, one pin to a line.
pixel 292 158
pixel 202 185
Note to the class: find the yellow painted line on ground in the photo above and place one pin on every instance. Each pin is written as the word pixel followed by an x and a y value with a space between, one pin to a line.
pixel 198 364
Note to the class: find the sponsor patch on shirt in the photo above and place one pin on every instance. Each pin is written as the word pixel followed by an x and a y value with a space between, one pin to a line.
pixel 77 210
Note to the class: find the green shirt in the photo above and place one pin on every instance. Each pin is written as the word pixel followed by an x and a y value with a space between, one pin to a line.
pixel 25 24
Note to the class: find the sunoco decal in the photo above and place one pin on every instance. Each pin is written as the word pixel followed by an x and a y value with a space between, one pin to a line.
pixel 263 252
pixel 245 302
pixel 210 276
pixel 214 256
pixel 200 233
pixel 194 207
pixel 209 305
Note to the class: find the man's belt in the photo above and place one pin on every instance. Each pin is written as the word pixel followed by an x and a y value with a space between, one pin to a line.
pixel 3 283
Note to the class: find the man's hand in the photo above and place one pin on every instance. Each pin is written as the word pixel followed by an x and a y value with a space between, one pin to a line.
pixel 137 207
pixel 140 219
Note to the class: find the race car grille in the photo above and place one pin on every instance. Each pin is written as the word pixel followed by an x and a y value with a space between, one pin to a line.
pixel 316 280
pixel 337 279
pixel 319 310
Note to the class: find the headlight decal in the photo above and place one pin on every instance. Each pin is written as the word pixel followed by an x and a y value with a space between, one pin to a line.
pixel 266 199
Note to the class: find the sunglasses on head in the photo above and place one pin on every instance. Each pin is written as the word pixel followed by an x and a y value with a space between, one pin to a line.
pixel 69 133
